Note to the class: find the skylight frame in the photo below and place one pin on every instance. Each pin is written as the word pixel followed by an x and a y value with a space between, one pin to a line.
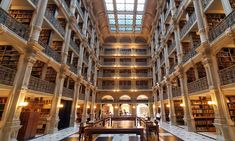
pixel 127 15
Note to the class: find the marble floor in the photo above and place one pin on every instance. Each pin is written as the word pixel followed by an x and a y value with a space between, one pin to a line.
pixel 167 133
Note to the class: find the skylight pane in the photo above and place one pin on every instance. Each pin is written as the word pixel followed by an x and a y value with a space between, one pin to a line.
pixel 109 1
pixel 138 22
pixel 113 28
pixel 129 29
pixel 129 17
pixel 137 29
pixel 111 21
pixel 122 22
pixel 111 16
pixel 140 7
pixel 141 1
pixel 120 1
pixel 121 7
pixel 121 29
pixel 121 16
pixel 130 1
pixel 109 7
pixel 129 7
pixel 129 22
pixel 139 17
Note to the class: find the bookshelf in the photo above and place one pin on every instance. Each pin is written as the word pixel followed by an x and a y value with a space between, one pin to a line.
pixel 214 19
pixel 203 114
pixel 226 58
pixel 231 107
pixel 37 69
pixel 45 35
pixel 3 101
pixel 179 112
pixel 51 75
pixel 8 56
pixel 42 106
pixel 23 16
pixel 57 46
pixel 232 2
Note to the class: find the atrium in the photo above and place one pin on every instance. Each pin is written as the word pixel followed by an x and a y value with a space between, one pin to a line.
pixel 117 70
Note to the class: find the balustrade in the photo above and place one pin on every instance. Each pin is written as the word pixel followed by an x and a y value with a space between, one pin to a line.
pixel 198 85
pixel 64 4
pixel 227 75
pixel 67 92
pixel 205 3
pixel 188 25
pixel 14 25
pixel 189 55
pixel 171 47
pixel 7 75
pixel 229 21
pixel 50 52
pixel 176 91
pixel 74 46
pixel 40 85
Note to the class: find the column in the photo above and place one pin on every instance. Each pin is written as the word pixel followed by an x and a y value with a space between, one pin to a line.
pixel 80 61
pixel 84 28
pixel 87 94
pixel 150 105
pixel 155 102
pixel 93 107
pixel 227 7
pixel 52 122
pixel 89 69
pixel 66 43
pixel 116 109
pixel 39 17
pixel 188 117
pixel 154 73
pixel 75 103
pixel 134 109
pixel 171 103
pixel 178 45
pixel 163 114
pixel 11 121
pixel 5 4
pixel 223 123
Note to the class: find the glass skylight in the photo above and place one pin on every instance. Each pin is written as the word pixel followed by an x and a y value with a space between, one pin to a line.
pixel 125 15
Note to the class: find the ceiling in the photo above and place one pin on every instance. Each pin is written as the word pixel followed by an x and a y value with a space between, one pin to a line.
pixel 118 18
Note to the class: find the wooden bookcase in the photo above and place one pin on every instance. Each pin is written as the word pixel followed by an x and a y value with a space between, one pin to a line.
pixel 23 16
pixel 3 101
pixel 42 106
pixel 179 112
pixel 57 46
pixel 51 75
pixel 9 57
pixel 231 106
pixel 214 19
pixel 45 35
pixel 37 69
pixel 226 58
pixel 203 114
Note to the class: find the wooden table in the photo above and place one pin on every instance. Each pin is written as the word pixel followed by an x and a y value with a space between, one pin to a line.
pixel 89 131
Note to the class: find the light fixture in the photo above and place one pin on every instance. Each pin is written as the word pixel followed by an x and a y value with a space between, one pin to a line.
pixel 88 106
pixel 78 106
pixel 23 104
pixel 116 107
pixel 133 107
pixel 61 106
pixel 211 102
pixel 159 106
pixel 168 105
pixel 181 105
pixel 94 107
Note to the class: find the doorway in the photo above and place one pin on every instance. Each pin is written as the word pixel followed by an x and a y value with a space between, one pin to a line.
pixel 142 110
pixel 64 114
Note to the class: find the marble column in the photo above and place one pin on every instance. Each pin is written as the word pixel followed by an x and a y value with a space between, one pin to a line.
pixel 179 48
pixel 80 61
pixel 85 106
pixel 227 7
pixel 188 117
pixel 65 46
pixel 5 4
pixel 10 120
pixel 84 28
pixel 93 106
pixel 163 114
pixel 89 69
pixel 171 103
pixel 53 119
pixel 75 103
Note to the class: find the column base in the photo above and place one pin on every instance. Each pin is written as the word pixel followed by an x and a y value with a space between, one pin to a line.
pixel 173 120
pixel 52 126
pixel 163 118
pixel 224 131
pixel 10 131
pixel 190 124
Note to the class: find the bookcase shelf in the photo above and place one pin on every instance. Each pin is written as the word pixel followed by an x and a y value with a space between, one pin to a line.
pixel 3 101
pixel 23 16
pixel 231 107
pixel 9 56
pixel 179 112
pixel 45 35
pixel 226 58
pixel 214 19
pixel 203 114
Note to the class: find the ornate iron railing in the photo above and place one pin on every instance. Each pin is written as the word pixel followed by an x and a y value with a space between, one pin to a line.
pixel 54 22
pixel 165 96
pixel 227 75
pixel 189 55
pixel 50 52
pixel 35 2
pixel 107 75
pixel 40 85
pixel 109 63
pixel 179 8
pixel 82 96
pixel 142 87
pixel 205 3
pixel 125 63
pixel 171 47
pixel 64 4
pixel 141 63
pixel 188 25
pixel 172 68
pixel 7 75
pixel 142 75
pixel 222 26
pixel 72 68
pixel 125 74
pixel 14 25
pixel 176 91
pixel 108 87
pixel 74 46
pixel 68 92
pixel 141 52
pixel 198 85
pixel 124 86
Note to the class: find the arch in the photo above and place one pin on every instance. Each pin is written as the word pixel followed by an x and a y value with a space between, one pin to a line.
pixel 142 97
pixel 125 97
pixel 142 110
pixel 107 97
pixel 110 39
pixel 125 109
pixel 125 40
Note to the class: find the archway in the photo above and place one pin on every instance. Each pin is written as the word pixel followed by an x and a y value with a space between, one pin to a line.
pixel 125 109
pixel 142 97
pixel 125 97
pixel 107 110
pixel 142 110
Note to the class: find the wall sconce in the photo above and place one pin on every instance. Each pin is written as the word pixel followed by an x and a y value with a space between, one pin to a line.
pixel 61 106
pixel 168 105
pixel 94 107
pixel 133 107
pixel 211 102
pixel 116 107
pixel 181 105
pixel 78 106
pixel 23 104
pixel 159 106
pixel 88 107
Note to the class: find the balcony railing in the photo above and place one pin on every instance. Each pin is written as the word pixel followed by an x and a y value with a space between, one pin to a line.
pixel 205 3
pixel 198 85
pixel 142 75
pixel 142 87
pixel 229 21
pixel 165 96
pixel 74 46
pixel 12 24
pixel 189 55
pixel 125 74
pixel 125 52
pixel 141 63
pixel 82 96
pixel 141 52
pixel 35 2
pixel 54 22
pixel 125 63
pixel 40 85
pixel 68 92
pixel 72 68
pixel 176 91
pixel 108 87
pixel 109 63
pixel 85 59
pixel 188 25
pixel 7 75
pixel 172 68
pixel 109 52
pixel 124 86
pixel 227 75
pixel 107 75
pixel 50 52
